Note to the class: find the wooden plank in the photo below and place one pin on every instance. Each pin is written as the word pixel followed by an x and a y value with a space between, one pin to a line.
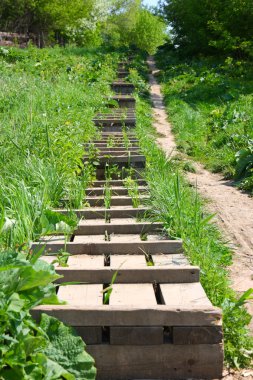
pixel 90 335
pixel 129 275
pixel 122 200
pixel 85 262
pixel 168 260
pixel 81 295
pixel 133 295
pixel 99 212
pixel 128 261
pixel 98 191
pixel 162 362
pixel 136 336
pixel 118 182
pixel 87 245
pixel 197 335
pixel 142 316
pixel 184 295
pixel 117 226
pixel 52 239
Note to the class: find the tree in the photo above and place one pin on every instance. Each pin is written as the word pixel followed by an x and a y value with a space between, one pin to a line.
pixel 149 32
pixel 210 26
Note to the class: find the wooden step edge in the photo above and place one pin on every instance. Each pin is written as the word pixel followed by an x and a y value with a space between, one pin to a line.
pixel 163 362
pixel 106 315
pixel 110 247
pixel 162 275
pixel 114 188
pixel 119 182
pixel 99 212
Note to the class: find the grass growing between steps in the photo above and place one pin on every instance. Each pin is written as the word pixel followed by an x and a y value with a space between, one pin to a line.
pixel 182 211
pixel 210 105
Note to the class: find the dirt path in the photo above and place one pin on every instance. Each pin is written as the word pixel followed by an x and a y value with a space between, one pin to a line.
pixel 233 208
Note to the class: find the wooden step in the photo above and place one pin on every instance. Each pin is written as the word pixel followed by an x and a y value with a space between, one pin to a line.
pixel 131 134
pixel 121 155
pixel 130 311
pixel 124 101
pixel 101 183
pixel 130 268
pixel 116 190
pixel 117 144
pixel 122 73
pixel 115 127
pixel 123 172
pixel 134 161
pixel 118 150
pixel 114 212
pixel 121 200
pixel 116 226
pixel 123 245
pixel 122 87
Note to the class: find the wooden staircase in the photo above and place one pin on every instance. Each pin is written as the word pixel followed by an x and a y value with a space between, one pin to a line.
pixel 158 322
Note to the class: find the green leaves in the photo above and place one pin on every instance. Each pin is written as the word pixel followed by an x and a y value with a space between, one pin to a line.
pixel 55 222
pixel 67 349
pixel 244 162
pixel 28 351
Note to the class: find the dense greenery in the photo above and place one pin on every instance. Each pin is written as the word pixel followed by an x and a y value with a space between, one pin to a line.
pixel 211 26
pixel 183 213
pixel 87 23
pixel 48 99
pixel 209 103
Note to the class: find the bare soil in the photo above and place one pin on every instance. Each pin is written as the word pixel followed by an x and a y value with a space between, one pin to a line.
pixel 233 208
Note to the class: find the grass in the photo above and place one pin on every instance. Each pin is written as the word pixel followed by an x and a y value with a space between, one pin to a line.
pixel 183 214
pixel 48 99
pixel 209 103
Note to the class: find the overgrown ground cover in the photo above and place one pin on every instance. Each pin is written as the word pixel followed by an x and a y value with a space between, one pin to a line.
pixel 210 102
pixel 183 213
pixel 47 101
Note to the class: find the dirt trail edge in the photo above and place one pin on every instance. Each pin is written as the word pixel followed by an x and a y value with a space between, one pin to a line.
pixel 234 209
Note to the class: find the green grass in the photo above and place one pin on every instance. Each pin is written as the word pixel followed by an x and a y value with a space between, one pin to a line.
pixel 48 98
pixel 182 211
pixel 210 106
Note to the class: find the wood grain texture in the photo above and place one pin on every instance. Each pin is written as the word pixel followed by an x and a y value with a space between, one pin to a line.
pixel 90 335
pixel 125 247
pixel 81 295
pixel 129 275
pixel 107 315
pixel 185 294
pixel 133 295
pixel 197 335
pixel 139 336
pixel 158 362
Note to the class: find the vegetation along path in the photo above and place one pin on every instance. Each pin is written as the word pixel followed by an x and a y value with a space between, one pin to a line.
pixel 234 209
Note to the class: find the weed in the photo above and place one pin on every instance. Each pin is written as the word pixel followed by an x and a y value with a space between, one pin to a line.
pixel 133 191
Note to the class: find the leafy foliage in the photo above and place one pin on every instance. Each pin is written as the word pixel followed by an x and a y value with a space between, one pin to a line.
pixel 27 350
pixel 211 26
pixel 149 32
pixel 244 162
pixel 86 23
